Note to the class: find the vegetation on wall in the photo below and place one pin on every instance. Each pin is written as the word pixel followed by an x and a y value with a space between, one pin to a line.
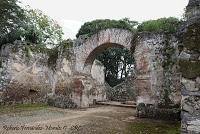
pixel 90 28
pixel 65 48
pixel 62 49
pixel 191 68
pixel 191 38
pixel 168 25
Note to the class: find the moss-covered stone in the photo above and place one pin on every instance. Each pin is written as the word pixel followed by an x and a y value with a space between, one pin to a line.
pixel 190 69
pixel 168 53
pixel 191 39
pixel 53 56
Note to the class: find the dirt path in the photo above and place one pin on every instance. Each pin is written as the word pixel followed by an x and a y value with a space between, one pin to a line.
pixel 99 120
pixel 54 120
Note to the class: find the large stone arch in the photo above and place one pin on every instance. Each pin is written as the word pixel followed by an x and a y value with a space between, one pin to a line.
pixel 87 50
pixel 147 51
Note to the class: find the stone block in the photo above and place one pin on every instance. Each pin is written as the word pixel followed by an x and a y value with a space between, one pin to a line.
pixel 197 84
pixel 190 85
pixel 194 126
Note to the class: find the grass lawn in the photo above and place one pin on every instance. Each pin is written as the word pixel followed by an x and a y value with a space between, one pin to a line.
pixel 6 109
pixel 154 127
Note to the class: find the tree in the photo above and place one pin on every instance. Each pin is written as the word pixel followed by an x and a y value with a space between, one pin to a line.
pixel 31 25
pixel 11 19
pixel 41 29
pixel 118 64
pixel 133 24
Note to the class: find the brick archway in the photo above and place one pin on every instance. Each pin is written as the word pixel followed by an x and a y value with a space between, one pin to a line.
pixel 87 51
pixel 147 53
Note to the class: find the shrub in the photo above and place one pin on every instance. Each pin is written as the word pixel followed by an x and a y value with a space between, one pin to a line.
pixel 90 28
pixel 168 25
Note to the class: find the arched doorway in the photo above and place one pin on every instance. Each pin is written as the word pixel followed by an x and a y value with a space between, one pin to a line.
pixel 87 50
pixel 144 54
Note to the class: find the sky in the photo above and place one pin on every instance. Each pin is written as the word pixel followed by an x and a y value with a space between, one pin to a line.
pixel 71 14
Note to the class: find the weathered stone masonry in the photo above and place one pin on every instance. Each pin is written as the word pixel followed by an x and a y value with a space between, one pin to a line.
pixel 149 53
pixel 190 67
pixel 166 70
pixel 71 77
pixel 26 77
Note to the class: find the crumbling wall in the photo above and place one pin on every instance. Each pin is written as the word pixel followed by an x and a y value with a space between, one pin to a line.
pixel 24 74
pixel 124 91
pixel 189 61
pixel 156 73
pixel 32 76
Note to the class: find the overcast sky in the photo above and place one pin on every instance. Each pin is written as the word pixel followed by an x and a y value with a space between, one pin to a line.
pixel 71 14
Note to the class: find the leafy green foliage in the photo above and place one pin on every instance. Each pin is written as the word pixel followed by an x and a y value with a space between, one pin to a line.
pixel 118 65
pixel 168 25
pixel 11 19
pixel 90 28
pixel 41 29
pixel 29 25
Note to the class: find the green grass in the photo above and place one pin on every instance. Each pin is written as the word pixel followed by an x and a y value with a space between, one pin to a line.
pixel 6 109
pixel 153 128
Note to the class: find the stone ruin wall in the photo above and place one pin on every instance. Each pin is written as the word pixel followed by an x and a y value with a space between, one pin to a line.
pixel 32 73
pixel 26 77
pixel 29 79
pixel 152 75
pixel 189 61
pixel 150 55
pixel 23 79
